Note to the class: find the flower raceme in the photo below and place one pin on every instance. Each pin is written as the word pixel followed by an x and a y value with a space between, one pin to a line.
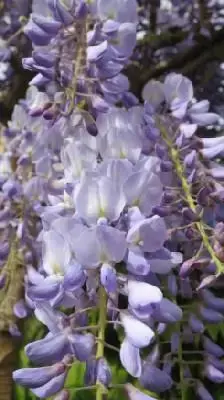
pixel 108 213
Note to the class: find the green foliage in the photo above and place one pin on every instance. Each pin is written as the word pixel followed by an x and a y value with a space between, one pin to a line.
pixel 215 331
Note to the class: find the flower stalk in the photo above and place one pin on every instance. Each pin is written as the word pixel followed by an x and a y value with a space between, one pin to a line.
pixel 100 390
pixel 179 169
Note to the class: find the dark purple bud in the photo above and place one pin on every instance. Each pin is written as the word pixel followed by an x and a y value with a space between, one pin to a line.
pixel 152 133
pixel 50 113
pixel 196 324
pixel 92 129
pixel 160 150
pixel 168 197
pixel 155 379
pixel 166 166
pixel 81 9
pixel 203 196
pixel 190 215
pixel 20 309
pixel 103 372
pixel 212 348
pixel 190 233
pixel 219 232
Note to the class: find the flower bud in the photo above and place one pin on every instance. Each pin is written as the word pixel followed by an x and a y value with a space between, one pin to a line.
pixel 103 372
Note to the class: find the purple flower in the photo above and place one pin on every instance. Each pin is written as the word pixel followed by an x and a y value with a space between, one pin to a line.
pixel 37 377
pixel 61 339
pixel 137 333
pixel 98 197
pixel 178 92
pixel 142 296
pixel 130 358
pixel 100 244
pixel 149 233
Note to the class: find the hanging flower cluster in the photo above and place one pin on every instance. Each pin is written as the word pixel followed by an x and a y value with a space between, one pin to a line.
pixel 111 207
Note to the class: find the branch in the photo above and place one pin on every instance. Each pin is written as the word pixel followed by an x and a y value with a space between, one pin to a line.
pixel 153 17
pixel 184 62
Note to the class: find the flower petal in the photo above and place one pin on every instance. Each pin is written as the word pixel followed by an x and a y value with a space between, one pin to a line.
pixel 130 358
pixel 138 333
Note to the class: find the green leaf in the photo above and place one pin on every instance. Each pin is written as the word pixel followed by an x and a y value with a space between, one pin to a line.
pixel 214 330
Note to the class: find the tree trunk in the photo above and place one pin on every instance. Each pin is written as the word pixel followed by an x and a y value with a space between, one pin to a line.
pixel 7 358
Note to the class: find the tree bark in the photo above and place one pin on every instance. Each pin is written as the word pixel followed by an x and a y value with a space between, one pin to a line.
pixel 7 358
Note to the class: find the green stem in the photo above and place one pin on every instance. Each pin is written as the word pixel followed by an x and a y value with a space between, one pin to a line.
pixel 179 169
pixel 100 390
